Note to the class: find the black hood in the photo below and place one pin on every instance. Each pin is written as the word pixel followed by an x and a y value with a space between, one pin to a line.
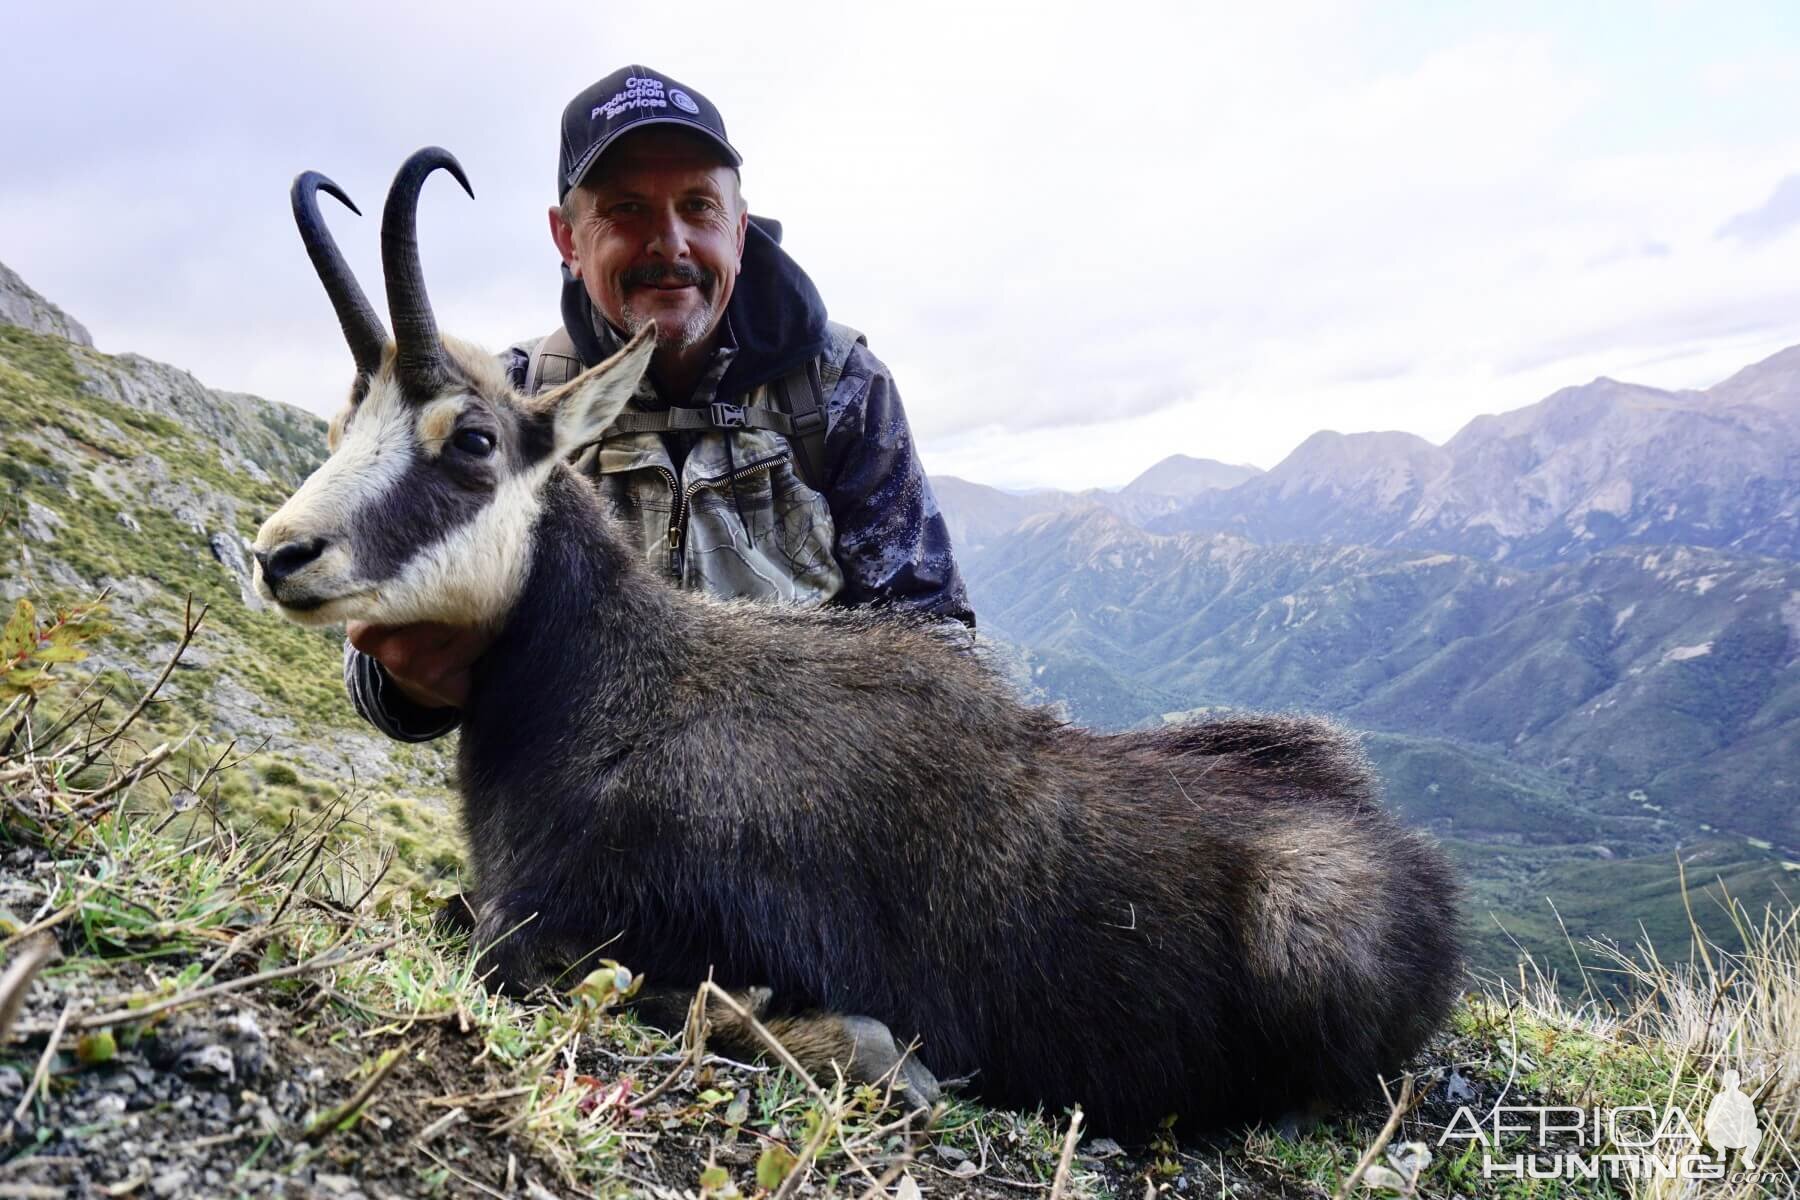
pixel 776 314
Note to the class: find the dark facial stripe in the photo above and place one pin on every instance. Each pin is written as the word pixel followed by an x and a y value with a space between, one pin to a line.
pixel 534 439
pixel 429 502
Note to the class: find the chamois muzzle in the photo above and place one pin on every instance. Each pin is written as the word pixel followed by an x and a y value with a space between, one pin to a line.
pixel 362 327
pixel 287 558
pixel 421 366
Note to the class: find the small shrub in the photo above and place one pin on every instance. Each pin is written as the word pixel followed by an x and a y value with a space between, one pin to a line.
pixel 280 774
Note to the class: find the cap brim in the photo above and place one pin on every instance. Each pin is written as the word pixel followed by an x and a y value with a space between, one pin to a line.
pixel 588 161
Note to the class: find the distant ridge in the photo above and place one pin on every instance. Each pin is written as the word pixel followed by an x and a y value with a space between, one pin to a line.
pixel 1180 475
pixel 977 513
pixel 1590 467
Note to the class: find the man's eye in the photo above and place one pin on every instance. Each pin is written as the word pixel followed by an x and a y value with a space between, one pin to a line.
pixel 625 208
pixel 473 442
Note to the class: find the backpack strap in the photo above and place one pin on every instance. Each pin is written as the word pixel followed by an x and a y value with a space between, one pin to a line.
pixel 553 362
pixel 713 416
pixel 802 394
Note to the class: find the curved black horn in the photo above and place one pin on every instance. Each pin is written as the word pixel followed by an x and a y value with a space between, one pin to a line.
pixel 362 328
pixel 421 354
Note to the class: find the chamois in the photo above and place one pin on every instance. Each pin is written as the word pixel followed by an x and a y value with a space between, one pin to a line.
pixel 847 814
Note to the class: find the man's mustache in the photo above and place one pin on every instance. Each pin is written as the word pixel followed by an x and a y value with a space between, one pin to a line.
pixel 678 274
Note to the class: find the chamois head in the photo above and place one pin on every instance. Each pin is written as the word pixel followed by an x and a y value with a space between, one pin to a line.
pixel 424 510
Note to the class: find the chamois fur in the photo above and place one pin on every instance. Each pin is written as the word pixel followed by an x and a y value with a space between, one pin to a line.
pixel 854 811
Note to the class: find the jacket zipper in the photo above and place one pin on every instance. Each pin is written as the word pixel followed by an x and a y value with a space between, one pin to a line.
pixel 678 514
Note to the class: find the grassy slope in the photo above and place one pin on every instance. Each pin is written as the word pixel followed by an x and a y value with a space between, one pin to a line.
pixel 77 449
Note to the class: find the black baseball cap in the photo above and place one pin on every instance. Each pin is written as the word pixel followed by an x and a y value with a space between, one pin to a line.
pixel 630 98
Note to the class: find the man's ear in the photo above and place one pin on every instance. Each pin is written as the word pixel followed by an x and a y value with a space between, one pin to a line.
pixel 583 409
pixel 563 234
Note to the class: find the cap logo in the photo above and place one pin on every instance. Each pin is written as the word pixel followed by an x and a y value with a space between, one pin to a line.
pixel 638 92
pixel 683 101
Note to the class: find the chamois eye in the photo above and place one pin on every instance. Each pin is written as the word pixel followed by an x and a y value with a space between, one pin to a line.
pixel 475 442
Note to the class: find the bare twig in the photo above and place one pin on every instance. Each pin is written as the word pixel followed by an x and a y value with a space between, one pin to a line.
pixel 696 1048
pixel 468 1098
pixel 319 962
pixel 300 878
pixel 438 1126
pixel 328 1121
pixel 828 1123
pixel 474 1183
pixel 30 1191
pixel 190 625
pixel 387 860
pixel 878 1186
pixel 16 980
pixel 50 922
pixel 1401 1107
pixel 1068 1156
pixel 43 1068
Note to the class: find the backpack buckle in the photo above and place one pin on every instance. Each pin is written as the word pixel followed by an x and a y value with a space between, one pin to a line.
pixel 729 416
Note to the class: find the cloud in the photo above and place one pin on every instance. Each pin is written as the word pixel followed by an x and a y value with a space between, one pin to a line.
pixel 1081 244
pixel 1778 214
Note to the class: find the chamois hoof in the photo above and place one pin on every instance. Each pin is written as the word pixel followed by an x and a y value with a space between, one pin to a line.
pixel 875 1058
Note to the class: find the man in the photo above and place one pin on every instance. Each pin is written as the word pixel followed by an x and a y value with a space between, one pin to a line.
pixel 765 456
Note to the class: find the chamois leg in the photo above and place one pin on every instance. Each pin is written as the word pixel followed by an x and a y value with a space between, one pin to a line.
pixel 862 1047
pixel 458 915
pixel 516 952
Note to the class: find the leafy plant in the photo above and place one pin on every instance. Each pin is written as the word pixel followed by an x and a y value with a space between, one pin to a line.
pixel 30 647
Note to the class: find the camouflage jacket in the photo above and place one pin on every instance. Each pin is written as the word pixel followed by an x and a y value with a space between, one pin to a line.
pixel 728 512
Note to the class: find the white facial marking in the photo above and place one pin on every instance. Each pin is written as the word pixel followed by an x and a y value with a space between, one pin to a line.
pixel 370 457
pixel 472 575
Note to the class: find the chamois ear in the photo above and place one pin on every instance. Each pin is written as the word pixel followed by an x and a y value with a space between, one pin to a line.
pixel 584 408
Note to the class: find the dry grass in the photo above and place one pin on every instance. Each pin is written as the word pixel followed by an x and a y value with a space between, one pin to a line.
pixel 1677 1027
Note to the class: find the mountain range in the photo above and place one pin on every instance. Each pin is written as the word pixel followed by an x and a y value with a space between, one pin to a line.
pixel 1591 467
pixel 977 513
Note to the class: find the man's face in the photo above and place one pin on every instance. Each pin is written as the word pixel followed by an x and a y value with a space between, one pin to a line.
pixel 657 235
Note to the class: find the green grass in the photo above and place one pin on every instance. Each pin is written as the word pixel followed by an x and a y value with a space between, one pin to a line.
pixel 1536 902
pixel 59 432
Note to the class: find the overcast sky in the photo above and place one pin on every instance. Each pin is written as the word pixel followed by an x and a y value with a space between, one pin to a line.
pixel 1083 238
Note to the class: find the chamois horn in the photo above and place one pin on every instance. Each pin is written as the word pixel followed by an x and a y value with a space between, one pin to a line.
pixel 421 366
pixel 362 328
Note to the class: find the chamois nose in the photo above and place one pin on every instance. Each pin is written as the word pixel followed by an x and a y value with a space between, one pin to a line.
pixel 285 559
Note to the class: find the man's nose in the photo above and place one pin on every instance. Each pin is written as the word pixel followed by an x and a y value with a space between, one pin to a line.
pixel 668 238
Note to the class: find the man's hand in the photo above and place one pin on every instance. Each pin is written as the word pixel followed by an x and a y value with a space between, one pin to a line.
pixel 428 662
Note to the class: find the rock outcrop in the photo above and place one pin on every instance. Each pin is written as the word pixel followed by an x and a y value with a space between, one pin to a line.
pixel 21 306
